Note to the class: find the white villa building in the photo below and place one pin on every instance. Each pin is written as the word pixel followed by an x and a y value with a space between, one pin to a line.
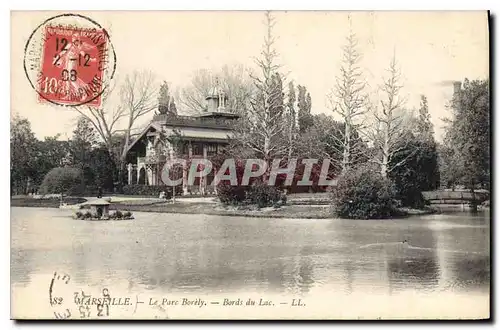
pixel 173 136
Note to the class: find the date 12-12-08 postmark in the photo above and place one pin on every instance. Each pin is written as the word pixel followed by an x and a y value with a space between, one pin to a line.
pixel 69 60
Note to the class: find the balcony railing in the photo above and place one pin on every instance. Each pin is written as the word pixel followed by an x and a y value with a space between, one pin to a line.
pixel 189 121
pixel 152 159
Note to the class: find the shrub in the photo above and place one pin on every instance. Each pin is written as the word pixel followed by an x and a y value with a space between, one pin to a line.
pixel 87 215
pixel 227 193
pixel 79 215
pixel 263 195
pixel 363 194
pixel 63 180
pixel 418 173
pixel 118 214
pixel 231 195
pixel 314 177
pixel 257 193
pixel 127 214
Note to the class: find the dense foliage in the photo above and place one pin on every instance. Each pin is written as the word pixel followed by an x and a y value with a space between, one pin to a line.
pixel 231 195
pixel 63 180
pixel 255 193
pixel 263 195
pixel 466 147
pixel 227 193
pixel 420 172
pixel 32 159
pixel 364 194
pixel 415 161
pixel 259 194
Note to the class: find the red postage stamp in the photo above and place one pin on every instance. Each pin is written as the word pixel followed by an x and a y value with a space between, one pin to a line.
pixel 69 63
pixel 72 65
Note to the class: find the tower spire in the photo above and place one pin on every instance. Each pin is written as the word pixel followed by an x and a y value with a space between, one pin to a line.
pixel 216 97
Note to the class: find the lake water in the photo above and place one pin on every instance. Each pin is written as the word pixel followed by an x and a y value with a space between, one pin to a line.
pixel 337 268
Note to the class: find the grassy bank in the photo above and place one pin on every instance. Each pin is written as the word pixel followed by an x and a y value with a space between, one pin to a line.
pixel 27 201
pixel 300 208
pixel 288 211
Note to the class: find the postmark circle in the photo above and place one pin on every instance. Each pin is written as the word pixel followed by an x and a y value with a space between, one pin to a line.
pixel 69 60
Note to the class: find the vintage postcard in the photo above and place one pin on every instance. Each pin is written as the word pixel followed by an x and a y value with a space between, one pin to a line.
pixel 250 165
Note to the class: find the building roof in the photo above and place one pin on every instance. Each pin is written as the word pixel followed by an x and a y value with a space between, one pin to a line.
pixel 195 133
pixel 213 120
pixel 218 114
pixel 190 128
pixel 153 124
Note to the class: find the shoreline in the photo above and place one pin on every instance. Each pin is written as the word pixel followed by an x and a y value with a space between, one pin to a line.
pixel 292 210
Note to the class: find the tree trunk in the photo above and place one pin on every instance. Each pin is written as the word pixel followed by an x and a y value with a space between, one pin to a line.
pixel 121 170
pixel 347 148
pixel 385 153
pixel 383 169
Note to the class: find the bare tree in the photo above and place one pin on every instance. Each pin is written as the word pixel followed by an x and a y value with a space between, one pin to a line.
pixel 262 129
pixel 349 101
pixel 102 118
pixel 390 122
pixel 138 97
pixel 234 80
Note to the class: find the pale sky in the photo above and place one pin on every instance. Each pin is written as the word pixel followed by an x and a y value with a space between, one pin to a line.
pixel 432 48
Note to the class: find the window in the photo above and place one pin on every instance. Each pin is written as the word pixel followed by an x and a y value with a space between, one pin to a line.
pixel 211 149
pixel 197 149
pixel 184 148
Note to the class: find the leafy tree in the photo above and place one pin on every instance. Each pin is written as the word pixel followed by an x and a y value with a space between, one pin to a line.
pixel 63 180
pixel 83 140
pixel 468 135
pixel 304 104
pixel 448 174
pixel 166 102
pixel 417 150
pixel 23 155
pixel 427 149
pixel 102 168
pixel 424 127
pixel 277 104
pixel 419 172
pixel 52 152
pixel 291 118
pixel 323 141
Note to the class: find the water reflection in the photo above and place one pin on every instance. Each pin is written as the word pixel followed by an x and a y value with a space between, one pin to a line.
pixel 415 264
pixel 421 273
pixel 471 273
pixel 190 253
